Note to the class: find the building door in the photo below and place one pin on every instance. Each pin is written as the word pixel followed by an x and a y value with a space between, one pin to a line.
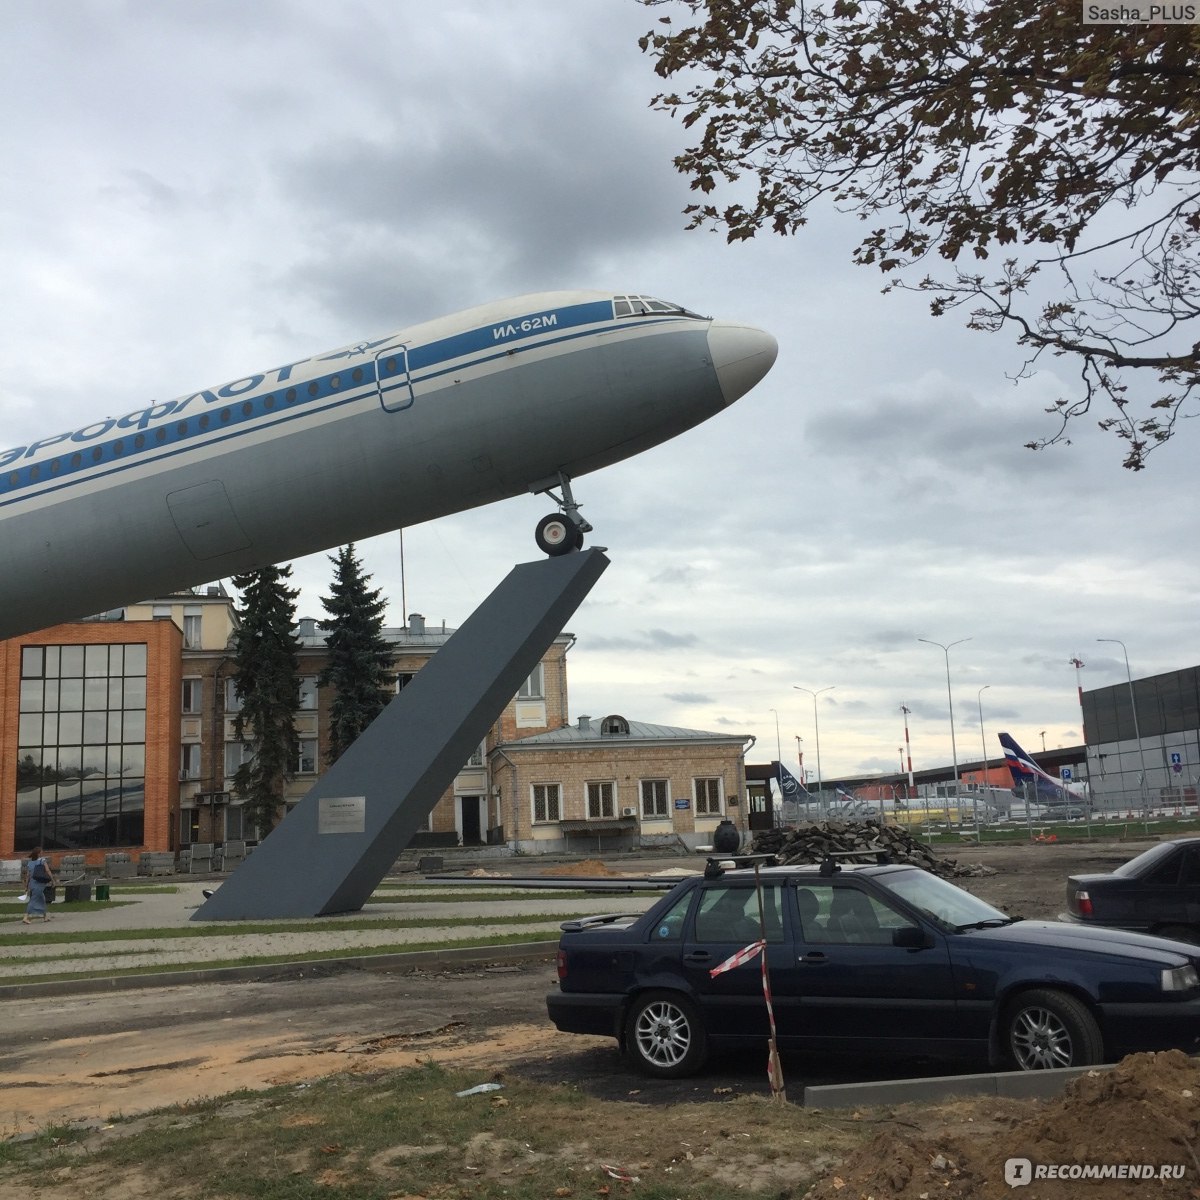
pixel 762 807
pixel 469 823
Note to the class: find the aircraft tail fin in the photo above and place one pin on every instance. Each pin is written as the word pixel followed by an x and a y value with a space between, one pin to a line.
pixel 1025 771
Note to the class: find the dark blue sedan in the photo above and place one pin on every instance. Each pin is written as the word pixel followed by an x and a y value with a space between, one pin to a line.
pixel 1157 892
pixel 868 960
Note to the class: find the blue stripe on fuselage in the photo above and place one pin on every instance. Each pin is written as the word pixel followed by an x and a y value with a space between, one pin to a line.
pixel 245 413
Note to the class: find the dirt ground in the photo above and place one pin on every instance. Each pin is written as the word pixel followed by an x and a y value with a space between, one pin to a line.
pixel 89 1058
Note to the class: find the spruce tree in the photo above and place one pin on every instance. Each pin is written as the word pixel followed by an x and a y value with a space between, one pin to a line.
pixel 268 685
pixel 360 658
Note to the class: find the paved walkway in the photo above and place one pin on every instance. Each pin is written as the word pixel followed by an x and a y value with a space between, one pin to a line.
pixel 68 943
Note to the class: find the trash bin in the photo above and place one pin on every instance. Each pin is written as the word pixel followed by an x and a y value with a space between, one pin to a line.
pixel 102 891
pixel 77 891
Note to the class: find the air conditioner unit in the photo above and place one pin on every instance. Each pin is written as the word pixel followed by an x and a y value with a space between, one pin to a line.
pixel 629 812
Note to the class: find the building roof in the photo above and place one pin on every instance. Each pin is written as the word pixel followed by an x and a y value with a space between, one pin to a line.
pixel 417 635
pixel 590 732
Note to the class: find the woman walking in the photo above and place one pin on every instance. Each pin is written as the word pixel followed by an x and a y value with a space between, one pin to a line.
pixel 38 876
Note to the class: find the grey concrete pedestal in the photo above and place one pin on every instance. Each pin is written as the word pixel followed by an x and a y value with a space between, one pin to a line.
pixel 330 852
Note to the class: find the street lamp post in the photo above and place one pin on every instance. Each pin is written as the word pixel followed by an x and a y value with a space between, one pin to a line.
pixel 950 697
pixel 983 747
pixel 908 747
pixel 1137 733
pixel 817 734
pixel 778 756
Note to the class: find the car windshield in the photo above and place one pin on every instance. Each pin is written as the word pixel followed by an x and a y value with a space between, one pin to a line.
pixel 943 903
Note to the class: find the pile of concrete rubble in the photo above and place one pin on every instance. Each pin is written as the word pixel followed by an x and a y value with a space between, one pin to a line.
pixel 857 841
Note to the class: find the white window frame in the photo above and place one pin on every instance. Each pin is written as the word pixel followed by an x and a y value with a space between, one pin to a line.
pixel 651 805
pixel 233 703
pixel 308 694
pixel 717 802
pixel 190 764
pixel 307 762
pixel 192 698
pixel 236 755
pixel 597 801
pixel 534 688
pixel 193 630
pixel 549 796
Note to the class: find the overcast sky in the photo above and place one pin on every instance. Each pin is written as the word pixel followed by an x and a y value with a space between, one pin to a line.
pixel 196 190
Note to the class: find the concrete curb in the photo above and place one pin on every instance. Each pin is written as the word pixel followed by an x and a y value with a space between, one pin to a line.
pixel 1012 1085
pixel 274 972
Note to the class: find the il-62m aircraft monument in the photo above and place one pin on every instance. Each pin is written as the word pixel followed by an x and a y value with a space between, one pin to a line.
pixel 517 396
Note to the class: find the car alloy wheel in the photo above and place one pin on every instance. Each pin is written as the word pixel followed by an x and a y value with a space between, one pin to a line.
pixel 664 1035
pixel 1048 1029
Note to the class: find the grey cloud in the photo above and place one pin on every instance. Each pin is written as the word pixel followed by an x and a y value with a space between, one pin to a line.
pixel 646 640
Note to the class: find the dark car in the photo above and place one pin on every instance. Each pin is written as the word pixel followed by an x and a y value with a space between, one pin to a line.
pixel 868 960
pixel 1158 892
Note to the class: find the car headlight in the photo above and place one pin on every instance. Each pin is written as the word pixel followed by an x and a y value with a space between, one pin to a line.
pixel 1179 979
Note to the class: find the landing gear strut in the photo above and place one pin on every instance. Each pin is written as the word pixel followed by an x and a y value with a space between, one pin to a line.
pixel 563 531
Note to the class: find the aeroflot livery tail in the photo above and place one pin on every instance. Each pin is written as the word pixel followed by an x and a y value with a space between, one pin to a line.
pixel 516 396
pixel 1025 770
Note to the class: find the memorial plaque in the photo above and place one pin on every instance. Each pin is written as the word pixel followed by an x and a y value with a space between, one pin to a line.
pixel 341 814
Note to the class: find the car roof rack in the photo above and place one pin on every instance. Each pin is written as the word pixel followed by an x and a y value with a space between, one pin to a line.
pixel 830 865
pixel 716 865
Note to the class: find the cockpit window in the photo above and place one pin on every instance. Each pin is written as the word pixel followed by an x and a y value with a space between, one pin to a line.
pixel 638 306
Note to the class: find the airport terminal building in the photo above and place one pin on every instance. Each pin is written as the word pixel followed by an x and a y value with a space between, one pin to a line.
pixel 1144 735
pixel 117 734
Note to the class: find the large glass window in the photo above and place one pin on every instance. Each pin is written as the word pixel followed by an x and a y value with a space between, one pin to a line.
pixel 81 757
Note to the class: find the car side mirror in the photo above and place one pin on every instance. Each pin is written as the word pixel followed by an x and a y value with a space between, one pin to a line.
pixel 911 937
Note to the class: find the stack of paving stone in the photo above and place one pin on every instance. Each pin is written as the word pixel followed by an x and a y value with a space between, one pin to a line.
pixel 856 841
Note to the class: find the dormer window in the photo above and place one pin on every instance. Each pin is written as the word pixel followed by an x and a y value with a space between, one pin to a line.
pixel 614 726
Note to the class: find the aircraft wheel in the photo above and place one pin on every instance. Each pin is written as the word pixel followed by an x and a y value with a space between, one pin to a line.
pixel 556 535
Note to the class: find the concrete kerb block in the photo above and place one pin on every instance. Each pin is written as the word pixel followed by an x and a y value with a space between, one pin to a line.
pixel 1013 1085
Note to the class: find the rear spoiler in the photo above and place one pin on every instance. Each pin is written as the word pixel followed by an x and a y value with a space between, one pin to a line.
pixel 579 923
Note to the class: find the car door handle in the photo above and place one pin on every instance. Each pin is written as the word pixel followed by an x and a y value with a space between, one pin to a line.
pixel 814 958
pixel 698 956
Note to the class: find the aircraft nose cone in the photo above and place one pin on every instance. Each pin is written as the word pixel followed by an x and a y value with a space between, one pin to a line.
pixel 741 356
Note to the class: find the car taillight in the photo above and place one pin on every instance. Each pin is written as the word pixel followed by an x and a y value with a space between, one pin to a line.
pixel 1083 904
pixel 562 964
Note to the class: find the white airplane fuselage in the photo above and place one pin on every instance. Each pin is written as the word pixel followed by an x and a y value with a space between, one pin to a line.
pixel 442 417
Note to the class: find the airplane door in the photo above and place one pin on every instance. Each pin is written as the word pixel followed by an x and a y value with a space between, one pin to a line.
pixel 391 373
